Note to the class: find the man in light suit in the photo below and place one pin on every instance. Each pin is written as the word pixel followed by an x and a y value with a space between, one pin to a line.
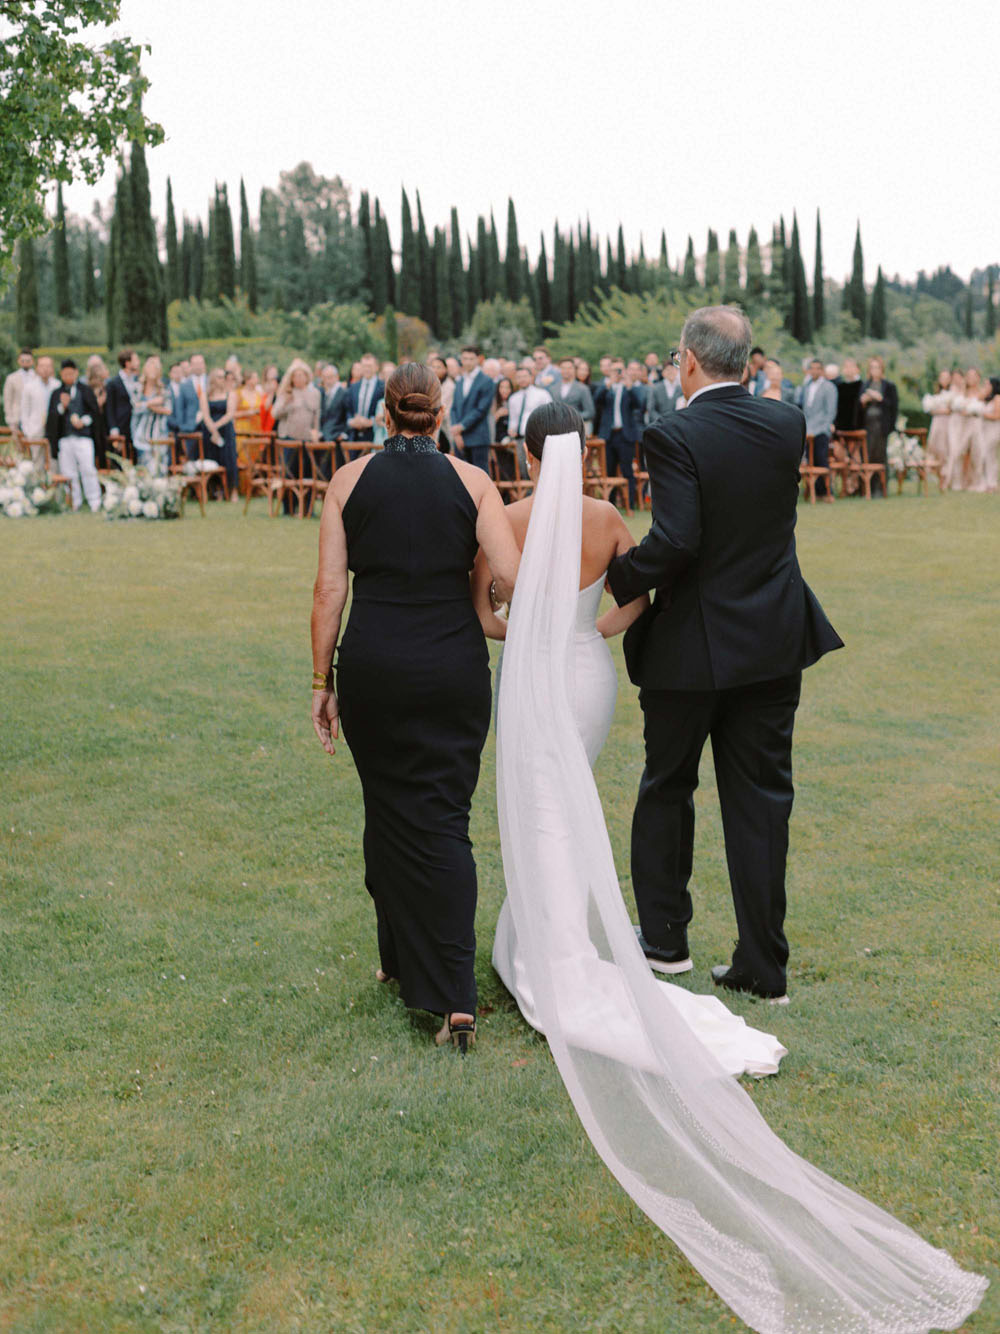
pixel 819 404
pixel 362 398
pixel 568 389
pixel 545 373
pixel 666 395
pixel 470 411
pixel 13 389
pixel 183 416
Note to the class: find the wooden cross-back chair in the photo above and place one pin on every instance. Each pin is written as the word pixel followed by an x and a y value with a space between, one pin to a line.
pixel 258 465
pixel 322 456
pixel 810 472
pixel 596 481
pixel 516 486
pixel 190 481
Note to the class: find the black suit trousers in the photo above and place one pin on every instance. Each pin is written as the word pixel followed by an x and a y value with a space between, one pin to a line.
pixel 751 732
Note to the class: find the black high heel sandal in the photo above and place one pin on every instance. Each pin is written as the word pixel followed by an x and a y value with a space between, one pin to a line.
pixel 462 1034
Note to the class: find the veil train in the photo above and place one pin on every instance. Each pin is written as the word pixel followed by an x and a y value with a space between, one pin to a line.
pixel 787 1247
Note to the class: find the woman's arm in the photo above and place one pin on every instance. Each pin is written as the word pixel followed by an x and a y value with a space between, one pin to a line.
pixel 230 412
pixel 329 599
pixel 494 626
pixel 282 402
pixel 496 541
pixel 618 619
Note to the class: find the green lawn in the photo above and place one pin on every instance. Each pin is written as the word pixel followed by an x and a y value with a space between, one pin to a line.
pixel 211 1116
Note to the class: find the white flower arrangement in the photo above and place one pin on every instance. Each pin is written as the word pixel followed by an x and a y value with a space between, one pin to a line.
pixel 937 403
pixel 133 493
pixel 26 491
pixel 903 451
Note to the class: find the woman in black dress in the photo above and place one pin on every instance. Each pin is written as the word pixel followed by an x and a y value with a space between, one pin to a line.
pixel 879 405
pixel 412 685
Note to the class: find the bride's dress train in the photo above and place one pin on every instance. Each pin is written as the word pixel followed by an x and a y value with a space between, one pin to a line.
pixel 790 1249
pixel 603 1023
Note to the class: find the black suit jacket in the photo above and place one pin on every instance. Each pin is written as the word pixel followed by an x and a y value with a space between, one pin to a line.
pixel 118 407
pixel 57 424
pixel 731 607
pixel 333 413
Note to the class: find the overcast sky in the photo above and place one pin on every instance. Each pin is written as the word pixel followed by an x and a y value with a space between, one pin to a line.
pixel 655 114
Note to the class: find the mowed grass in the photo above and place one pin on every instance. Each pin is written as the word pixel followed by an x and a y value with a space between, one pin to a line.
pixel 212 1117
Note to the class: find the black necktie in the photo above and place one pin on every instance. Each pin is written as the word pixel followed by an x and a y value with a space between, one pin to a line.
pixel 524 413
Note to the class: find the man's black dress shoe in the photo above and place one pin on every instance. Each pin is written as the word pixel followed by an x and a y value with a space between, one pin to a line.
pixel 723 976
pixel 665 961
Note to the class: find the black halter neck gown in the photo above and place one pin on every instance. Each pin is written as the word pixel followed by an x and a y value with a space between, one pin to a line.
pixel 413 682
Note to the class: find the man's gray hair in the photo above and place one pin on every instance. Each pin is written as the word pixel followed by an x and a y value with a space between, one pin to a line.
pixel 719 337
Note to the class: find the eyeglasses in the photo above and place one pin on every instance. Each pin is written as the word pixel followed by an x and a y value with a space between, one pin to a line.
pixel 674 357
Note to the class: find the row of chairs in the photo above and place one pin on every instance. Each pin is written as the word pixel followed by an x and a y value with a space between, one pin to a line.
pixel 856 463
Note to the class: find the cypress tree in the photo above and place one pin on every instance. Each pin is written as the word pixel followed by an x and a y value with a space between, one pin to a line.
pixel 731 276
pixel 225 261
pixel 991 310
pixel 482 262
pixel 114 287
pixel 689 281
pixel 967 318
pixel 856 299
pixel 664 276
pixel 801 320
pixel 248 254
pixel 409 265
pixel 494 269
pixel 542 284
pixel 269 252
pixel 367 247
pixel 297 266
pixel 755 269
pixel 456 279
pixel 29 332
pixel 818 311
pixel 621 266
pixel 391 334
pixel 530 288
pixel 382 271
pixel 172 274
pixel 777 293
pixel 442 294
pixel 89 280
pixel 584 274
pixel 572 299
pixel 187 242
pixel 637 269
pixel 512 261
pixel 210 273
pixel 198 262
pixel 560 286
pixel 426 259
pixel 60 258
pixel 786 264
pixel 142 279
pixel 608 278
pixel 879 325
pixel 471 278
pixel 713 272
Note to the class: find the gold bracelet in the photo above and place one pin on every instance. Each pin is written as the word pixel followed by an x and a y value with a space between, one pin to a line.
pixel 324 686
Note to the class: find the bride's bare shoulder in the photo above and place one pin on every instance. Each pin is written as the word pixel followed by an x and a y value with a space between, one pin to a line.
pixel 601 513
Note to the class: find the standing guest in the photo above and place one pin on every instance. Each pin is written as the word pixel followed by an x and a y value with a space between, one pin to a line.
pixel 666 395
pixel 848 416
pixel 819 406
pixel 185 407
pixel 832 371
pixel 233 367
pixel 199 375
pixel 757 376
pixel 526 397
pixel 248 399
pixel 618 411
pixel 269 392
pixel 218 413
pixel 35 399
pixel 491 367
pixel 989 437
pixel 583 375
pixel 508 368
pixel 545 373
pixel 454 368
pixel 938 405
pixel 296 412
pixel 13 389
pixel 379 433
pixel 654 369
pixel 501 408
pixel 413 679
pixel 604 367
pixel 439 366
pixel 776 386
pixel 568 389
pixel 333 409
pixel 121 394
pixel 71 427
pixel 470 410
pixel 97 377
pixel 150 408
pixel 879 406
pixel 363 395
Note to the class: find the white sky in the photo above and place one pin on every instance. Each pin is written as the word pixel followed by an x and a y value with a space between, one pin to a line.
pixel 656 114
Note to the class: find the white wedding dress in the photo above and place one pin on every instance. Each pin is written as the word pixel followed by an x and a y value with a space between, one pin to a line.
pixel 787 1247
pixel 738 1048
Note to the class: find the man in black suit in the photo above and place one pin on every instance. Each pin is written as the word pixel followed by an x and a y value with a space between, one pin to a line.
pixel 332 408
pixel 121 392
pixel 720 653
pixel 74 428
pixel 619 407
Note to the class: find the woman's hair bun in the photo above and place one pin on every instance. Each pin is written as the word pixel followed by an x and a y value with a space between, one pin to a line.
pixel 415 403
pixel 413 397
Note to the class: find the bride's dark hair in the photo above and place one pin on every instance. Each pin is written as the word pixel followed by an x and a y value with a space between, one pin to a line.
pixel 556 418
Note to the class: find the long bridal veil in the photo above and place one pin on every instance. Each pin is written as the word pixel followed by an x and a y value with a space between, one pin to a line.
pixel 790 1249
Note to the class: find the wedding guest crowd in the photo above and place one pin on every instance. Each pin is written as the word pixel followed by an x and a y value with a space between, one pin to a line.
pixel 486 401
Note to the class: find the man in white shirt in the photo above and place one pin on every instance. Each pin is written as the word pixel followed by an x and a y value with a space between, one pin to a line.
pixel 568 389
pixel 71 428
pixel 13 389
pixel 35 399
pixel 523 401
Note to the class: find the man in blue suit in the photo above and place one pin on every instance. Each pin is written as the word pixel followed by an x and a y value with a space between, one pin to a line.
pixel 470 411
pixel 620 406
pixel 362 397
pixel 183 416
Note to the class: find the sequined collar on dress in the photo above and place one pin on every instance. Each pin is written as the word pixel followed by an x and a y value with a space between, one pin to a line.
pixel 410 444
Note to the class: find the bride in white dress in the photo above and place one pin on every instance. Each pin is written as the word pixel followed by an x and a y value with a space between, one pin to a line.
pixel 739 1048
pixel 787 1247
